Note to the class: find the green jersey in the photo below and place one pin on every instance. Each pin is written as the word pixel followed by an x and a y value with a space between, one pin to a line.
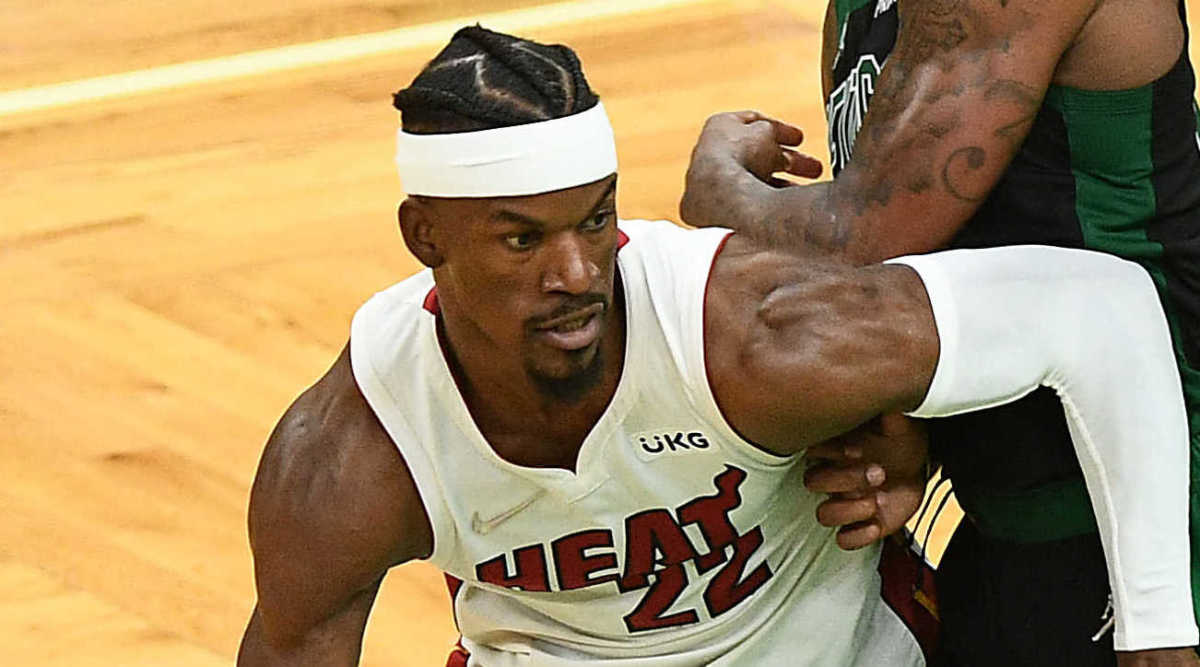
pixel 1115 171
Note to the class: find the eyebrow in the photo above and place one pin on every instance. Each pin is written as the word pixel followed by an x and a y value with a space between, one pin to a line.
pixel 513 216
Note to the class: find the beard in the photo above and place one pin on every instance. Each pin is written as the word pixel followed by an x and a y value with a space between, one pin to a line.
pixel 576 384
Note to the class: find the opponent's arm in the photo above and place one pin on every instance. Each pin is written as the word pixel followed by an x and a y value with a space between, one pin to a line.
pixel 797 353
pixel 332 508
pixel 829 47
pixel 953 104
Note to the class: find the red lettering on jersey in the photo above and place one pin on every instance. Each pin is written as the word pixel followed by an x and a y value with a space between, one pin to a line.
pixel 728 588
pixel 574 567
pixel 669 584
pixel 656 550
pixel 647 535
pixel 530 571
pixel 711 514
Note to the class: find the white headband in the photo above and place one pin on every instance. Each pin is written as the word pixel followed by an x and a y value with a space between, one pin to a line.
pixel 525 159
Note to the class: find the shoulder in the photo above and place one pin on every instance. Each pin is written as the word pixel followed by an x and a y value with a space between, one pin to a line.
pixel 657 236
pixel 662 253
pixel 332 494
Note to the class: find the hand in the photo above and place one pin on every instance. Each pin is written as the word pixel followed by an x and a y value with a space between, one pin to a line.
pixel 1158 658
pixel 875 476
pixel 737 155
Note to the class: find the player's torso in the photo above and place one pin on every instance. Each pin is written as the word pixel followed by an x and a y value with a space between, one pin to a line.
pixel 673 538
pixel 1117 171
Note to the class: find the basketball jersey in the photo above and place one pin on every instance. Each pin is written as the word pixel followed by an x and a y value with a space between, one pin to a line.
pixel 675 542
pixel 1115 171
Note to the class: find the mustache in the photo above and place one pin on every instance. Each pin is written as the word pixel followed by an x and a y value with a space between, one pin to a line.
pixel 570 305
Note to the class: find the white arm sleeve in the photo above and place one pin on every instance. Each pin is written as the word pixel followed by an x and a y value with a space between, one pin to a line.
pixel 1090 326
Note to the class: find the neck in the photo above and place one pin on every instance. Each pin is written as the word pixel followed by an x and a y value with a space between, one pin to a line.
pixel 524 424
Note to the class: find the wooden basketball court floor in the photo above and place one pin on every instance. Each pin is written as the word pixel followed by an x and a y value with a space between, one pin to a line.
pixel 181 250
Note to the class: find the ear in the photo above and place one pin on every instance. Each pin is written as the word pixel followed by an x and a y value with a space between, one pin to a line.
pixel 416 226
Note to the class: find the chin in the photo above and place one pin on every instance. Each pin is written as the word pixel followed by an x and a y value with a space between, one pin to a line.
pixel 583 372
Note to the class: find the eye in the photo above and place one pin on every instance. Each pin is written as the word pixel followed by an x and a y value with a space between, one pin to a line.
pixel 599 221
pixel 522 241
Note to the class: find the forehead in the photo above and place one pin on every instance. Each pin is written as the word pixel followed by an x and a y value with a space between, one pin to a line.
pixel 570 204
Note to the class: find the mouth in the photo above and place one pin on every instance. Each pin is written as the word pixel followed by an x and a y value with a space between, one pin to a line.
pixel 573 331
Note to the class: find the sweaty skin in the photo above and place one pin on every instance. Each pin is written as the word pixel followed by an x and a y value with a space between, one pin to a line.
pixel 333 495
pixel 954 103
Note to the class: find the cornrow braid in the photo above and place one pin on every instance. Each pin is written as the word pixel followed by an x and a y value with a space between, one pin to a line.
pixel 485 79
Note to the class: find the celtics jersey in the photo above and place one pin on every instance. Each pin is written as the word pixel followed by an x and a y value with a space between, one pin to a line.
pixel 1115 171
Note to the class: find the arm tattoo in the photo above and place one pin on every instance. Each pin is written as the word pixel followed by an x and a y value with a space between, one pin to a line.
pixel 957 170
pixel 938 26
pixel 953 36
pixel 945 66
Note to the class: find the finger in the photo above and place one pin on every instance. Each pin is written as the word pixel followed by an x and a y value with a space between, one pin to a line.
pixel 748 116
pixel 840 479
pixel 799 164
pixel 785 133
pixel 843 512
pixel 859 535
pixel 836 450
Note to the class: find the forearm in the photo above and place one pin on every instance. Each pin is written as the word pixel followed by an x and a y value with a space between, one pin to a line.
pixel 951 108
pixel 842 219
pixel 1090 327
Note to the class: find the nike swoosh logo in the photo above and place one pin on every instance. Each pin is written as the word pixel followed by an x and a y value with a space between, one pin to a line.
pixel 485 526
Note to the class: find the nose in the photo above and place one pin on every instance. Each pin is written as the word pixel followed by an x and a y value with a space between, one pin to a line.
pixel 568 267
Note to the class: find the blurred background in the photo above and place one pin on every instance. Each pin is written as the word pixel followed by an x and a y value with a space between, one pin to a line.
pixel 195 196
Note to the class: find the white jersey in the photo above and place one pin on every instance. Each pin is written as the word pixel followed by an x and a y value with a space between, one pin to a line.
pixel 675 543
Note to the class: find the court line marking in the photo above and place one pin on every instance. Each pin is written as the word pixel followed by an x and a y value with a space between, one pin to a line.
pixel 310 54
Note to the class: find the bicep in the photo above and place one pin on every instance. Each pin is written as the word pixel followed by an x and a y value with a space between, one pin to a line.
pixel 314 576
pixel 952 106
pixel 819 352
pixel 333 506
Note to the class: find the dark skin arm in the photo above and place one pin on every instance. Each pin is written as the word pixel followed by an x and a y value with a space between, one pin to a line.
pixel 332 508
pixel 799 351
pixel 952 106
pixel 829 45
pixel 865 366
pixel 809 350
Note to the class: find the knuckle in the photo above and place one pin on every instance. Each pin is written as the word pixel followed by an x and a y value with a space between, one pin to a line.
pixel 761 130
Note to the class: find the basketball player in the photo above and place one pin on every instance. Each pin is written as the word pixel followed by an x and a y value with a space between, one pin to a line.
pixel 973 123
pixel 594 428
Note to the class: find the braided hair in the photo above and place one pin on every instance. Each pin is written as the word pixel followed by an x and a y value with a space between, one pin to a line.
pixel 484 80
